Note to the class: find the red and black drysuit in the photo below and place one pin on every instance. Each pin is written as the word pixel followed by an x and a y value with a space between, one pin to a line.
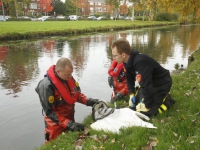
pixel 117 71
pixel 57 98
pixel 155 82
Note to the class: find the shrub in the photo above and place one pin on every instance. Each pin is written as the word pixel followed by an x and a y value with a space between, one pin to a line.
pixel 164 16
pixel 19 19
pixel 141 18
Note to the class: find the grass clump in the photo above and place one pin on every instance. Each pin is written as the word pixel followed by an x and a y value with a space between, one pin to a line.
pixel 177 128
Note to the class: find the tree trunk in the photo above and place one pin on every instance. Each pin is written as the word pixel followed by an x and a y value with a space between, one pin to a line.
pixel 133 13
pixel 15 1
pixel 3 11
pixel 143 15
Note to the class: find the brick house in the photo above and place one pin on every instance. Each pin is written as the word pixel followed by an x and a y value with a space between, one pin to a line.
pixel 88 7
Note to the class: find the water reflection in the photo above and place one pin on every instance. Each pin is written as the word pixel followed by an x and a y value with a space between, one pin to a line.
pixel 23 64
pixel 18 65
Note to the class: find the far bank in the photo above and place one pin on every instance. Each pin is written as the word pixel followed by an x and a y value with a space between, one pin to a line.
pixel 38 29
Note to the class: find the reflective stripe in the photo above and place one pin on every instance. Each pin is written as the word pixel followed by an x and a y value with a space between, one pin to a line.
pixel 137 90
pixel 163 107
pixel 159 110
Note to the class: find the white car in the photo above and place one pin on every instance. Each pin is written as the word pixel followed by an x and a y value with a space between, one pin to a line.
pixel 91 17
pixel 2 17
pixel 43 18
pixel 73 17
pixel 100 17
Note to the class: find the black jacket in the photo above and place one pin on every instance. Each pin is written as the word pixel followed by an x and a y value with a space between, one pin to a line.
pixel 151 72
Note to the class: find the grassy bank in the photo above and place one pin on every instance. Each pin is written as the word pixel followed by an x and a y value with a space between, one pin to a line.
pixel 177 128
pixel 33 29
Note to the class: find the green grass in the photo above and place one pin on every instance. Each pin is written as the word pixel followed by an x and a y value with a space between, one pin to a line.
pixel 177 128
pixel 14 30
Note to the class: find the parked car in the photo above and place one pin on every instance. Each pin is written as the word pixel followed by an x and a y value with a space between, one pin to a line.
pixel 43 18
pixel 100 17
pixel 73 17
pixel 127 18
pixel 80 17
pixel 60 17
pixel 34 19
pixel 2 17
pixel 113 18
pixel 92 18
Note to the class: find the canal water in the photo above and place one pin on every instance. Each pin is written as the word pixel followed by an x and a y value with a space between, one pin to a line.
pixel 24 63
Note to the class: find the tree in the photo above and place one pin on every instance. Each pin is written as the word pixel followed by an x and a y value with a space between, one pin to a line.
pixel 46 6
pixel 189 10
pixel 58 7
pixel 114 6
pixel 133 10
pixel 70 7
pixel 1 3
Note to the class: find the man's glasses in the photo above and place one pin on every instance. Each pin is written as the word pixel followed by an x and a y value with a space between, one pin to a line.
pixel 114 56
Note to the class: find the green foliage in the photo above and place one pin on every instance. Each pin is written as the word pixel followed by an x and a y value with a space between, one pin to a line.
pixel 141 18
pixel 18 19
pixel 12 11
pixel 58 7
pixel 71 9
pixel 164 16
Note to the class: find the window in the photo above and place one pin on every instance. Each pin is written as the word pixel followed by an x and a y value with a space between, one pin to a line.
pixel 33 6
pixel 91 9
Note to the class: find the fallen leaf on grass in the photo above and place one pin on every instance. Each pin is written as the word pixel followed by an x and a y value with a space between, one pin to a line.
pixel 194 88
pixel 113 140
pixel 162 121
pixel 84 134
pixel 179 138
pixel 95 138
pixel 93 147
pixel 153 141
pixel 78 142
pixel 188 93
pixel 78 147
pixel 102 148
pixel 105 137
pixel 175 134
pixel 123 146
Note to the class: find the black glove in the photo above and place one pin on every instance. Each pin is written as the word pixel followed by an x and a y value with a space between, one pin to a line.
pixel 110 81
pixel 73 126
pixel 117 97
pixel 91 102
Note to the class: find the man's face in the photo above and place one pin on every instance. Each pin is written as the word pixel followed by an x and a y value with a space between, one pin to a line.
pixel 65 74
pixel 118 57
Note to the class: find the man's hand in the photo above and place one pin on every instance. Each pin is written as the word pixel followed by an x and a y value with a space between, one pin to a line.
pixel 132 101
pixel 91 102
pixel 141 107
pixel 73 126
pixel 110 81
pixel 117 97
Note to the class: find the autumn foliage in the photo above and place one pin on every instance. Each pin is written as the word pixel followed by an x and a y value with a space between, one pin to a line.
pixel 46 5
